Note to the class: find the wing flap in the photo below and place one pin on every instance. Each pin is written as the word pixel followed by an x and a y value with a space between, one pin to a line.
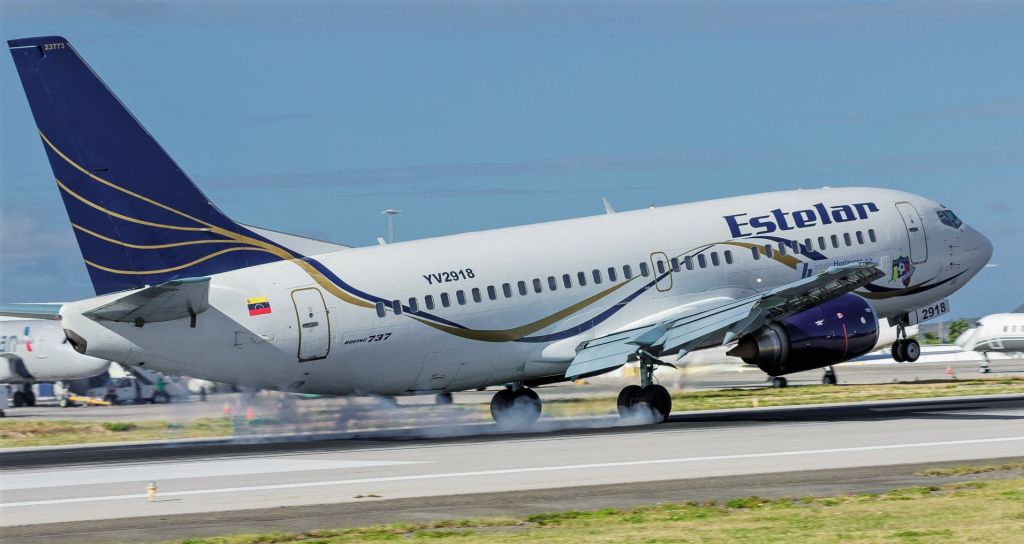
pixel 176 299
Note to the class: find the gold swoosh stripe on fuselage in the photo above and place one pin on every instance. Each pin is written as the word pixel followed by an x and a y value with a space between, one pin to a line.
pixel 787 260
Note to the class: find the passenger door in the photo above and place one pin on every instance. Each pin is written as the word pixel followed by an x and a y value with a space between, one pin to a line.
pixel 915 230
pixel 661 266
pixel 314 327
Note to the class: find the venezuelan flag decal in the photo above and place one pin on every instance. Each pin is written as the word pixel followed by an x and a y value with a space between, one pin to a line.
pixel 258 305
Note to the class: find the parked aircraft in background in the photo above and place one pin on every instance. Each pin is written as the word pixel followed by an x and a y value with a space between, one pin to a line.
pixel 999 333
pixel 790 280
pixel 36 351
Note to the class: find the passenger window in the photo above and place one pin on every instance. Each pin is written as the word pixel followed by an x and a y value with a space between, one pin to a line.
pixel 860 237
pixel 675 264
pixel 702 261
pixel 728 256
pixel 611 274
pixel 552 283
pixel 821 243
pixel 460 296
pixel 835 242
pixel 537 285
pixel 768 252
pixel 871 235
pixel 714 258
pixel 522 288
pixel 381 312
pixel 755 253
pixel 597 277
pixel 476 295
pixel 446 301
pixel 661 266
pixel 808 246
pixel 506 289
pixel 396 306
pixel 782 248
pixel 688 261
pixel 492 293
pixel 581 277
pixel 645 270
pixel 414 305
pixel 429 301
pixel 847 239
pixel 627 272
pixel 566 281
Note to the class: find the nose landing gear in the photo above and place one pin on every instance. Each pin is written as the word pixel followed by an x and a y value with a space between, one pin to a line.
pixel 647 399
pixel 515 407
pixel 904 350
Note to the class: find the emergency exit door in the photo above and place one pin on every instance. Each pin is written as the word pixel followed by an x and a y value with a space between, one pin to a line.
pixel 915 230
pixel 314 327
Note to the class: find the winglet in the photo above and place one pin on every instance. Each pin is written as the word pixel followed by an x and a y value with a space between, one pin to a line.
pixel 608 209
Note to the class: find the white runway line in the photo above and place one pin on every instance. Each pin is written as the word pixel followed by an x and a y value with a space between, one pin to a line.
pixel 519 471
pixel 176 471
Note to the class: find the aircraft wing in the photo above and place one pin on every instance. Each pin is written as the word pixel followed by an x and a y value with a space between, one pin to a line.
pixel 176 299
pixel 31 311
pixel 720 324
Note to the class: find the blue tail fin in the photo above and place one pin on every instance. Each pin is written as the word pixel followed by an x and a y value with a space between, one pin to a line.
pixel 138 218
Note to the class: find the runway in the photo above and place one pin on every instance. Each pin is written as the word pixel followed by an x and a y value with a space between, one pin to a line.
pixel 391 478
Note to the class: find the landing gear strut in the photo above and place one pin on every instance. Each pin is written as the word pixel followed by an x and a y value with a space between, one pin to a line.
pixel 904 350
pixel 515 407
pixel 984 364
pixel 829 378
pixel 647 399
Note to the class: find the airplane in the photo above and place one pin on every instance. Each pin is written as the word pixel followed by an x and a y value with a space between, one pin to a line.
pixel 37 351
pixel 791 280
pixel 996 333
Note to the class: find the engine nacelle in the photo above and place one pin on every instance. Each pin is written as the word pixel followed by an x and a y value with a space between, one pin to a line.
pixel 838 330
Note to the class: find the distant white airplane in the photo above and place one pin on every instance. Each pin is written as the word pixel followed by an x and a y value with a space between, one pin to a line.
pixel 36 351
pixel 790 280
pixel 996 333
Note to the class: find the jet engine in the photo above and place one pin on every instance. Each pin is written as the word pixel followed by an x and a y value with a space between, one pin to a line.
pixel 838 330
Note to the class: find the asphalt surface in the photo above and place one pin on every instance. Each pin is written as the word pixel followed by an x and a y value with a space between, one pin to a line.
pixel 98 494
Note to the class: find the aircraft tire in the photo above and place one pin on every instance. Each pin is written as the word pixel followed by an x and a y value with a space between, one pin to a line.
pixel 911 350
pixel 627 399
pixel 515 409
pixel 30 398
pixel 443 399
pixel 19 399
pixel 897 352
pixel 658 400
pixel 828 379
pixel 778 382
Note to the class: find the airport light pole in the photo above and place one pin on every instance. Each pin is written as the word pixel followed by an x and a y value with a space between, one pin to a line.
pixel 391 223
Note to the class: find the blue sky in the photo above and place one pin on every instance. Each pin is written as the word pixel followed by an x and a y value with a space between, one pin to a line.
pixel 311 117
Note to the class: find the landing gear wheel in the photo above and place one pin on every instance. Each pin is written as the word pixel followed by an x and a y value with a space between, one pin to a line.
pixel 778 382
pixel 19 399
pixel 911 350
pixel 627 399
pixel 897 352
pixel 30 398
pixel 657 400
pixel 64 402
pixel 443 399
pixel 829 378
pixel 515 409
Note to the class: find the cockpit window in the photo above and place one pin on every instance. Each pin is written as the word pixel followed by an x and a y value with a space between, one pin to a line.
pixel 949 218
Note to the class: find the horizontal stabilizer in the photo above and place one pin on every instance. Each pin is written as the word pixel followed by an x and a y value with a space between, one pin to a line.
pixel 176 299
pixel 31 311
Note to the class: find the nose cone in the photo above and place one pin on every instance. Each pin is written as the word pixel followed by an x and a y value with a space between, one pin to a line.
pixel 979 248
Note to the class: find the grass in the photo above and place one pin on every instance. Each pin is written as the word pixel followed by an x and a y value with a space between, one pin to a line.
pixel 977 512
pixel 968 470
pixel 806 394
pixel 18 433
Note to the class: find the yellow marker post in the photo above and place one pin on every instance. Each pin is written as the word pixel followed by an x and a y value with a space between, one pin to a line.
pixel 755 402
pixel 151 491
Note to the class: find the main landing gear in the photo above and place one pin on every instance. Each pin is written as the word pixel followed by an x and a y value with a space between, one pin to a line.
pixel 778 382
pixel 829 378
pixel 984 364
pixel 25 397
pixel 515 407
pixel 647 400
pixel 905 350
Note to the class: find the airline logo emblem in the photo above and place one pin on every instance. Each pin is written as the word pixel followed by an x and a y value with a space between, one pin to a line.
pixel 742 224
pixel 902 270
pixel 258 306
pixel 28 339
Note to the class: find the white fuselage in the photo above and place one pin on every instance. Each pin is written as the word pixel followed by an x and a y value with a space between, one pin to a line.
pixel 34 350
pixel 996 332
pixel 345 347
